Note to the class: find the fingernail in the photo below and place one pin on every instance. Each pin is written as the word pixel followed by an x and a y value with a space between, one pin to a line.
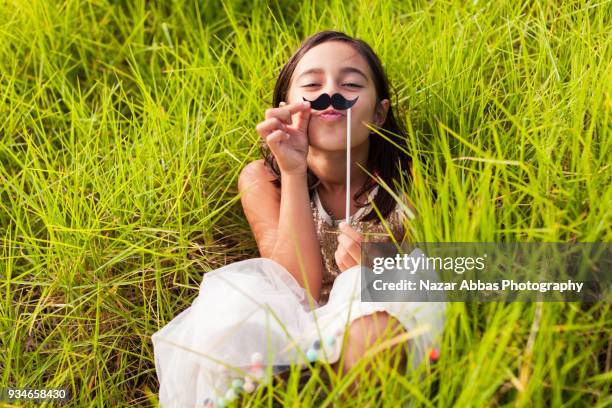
pixel 306 103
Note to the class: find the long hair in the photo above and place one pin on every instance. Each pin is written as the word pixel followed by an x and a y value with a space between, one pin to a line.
pixel 385 160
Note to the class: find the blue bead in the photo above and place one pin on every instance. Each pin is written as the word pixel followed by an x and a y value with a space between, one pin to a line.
pixel 311 355
pixel 317 344
pixel 331 340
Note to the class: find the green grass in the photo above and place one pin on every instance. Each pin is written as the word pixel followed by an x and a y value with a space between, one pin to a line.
pixel 124 125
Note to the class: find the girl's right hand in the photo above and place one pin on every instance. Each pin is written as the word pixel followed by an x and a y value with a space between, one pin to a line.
pixel 284 131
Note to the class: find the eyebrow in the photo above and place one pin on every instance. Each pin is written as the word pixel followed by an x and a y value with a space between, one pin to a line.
pixel 345 70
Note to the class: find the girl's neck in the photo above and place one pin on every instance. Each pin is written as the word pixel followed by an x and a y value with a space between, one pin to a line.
pixel 330 168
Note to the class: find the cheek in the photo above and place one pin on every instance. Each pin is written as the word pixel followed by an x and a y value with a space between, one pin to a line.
pixel 294 99
pixel 293 95
pixel 361 115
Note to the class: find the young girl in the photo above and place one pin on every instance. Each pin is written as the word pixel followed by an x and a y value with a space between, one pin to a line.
pixel 300 302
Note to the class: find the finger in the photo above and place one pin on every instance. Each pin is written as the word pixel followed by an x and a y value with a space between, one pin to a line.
pixel 270 125
pixel 350 246
pixel 345 259
pixel 339 262
pixel 276 136
pixel 350 232
pixel 284 113
pixel 297 107
pixel 347 262
pixel 274 139
pixel 301 120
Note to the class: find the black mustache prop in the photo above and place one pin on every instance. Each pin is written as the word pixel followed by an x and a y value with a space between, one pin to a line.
pixel 337 101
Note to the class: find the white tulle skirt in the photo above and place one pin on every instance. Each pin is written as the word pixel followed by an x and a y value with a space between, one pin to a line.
pixel 252 318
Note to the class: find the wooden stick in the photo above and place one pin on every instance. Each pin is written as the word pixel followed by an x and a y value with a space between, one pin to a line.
pixel 348 164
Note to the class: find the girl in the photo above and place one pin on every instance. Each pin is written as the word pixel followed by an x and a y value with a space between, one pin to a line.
pixel 300 302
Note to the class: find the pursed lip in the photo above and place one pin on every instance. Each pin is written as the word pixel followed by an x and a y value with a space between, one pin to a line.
pixel 331 114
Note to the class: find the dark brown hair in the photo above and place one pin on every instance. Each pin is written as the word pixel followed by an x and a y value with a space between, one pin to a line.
pixel 384 159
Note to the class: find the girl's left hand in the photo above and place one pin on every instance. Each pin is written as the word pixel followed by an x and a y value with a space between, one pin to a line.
pixel 348 253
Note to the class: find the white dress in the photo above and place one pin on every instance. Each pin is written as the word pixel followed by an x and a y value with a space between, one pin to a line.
pixel 252 319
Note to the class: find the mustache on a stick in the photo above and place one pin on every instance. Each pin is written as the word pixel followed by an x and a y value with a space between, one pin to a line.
pixel 338 101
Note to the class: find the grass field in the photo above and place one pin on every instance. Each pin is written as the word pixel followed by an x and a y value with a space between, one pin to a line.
pixel 124 125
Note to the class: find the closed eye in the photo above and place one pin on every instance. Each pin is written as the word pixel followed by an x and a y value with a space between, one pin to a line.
pixel 307 85
pixel 353 85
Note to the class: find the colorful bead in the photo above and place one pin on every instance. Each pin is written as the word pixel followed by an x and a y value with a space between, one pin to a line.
pixel 311 355
pixel 208 403
pixel 331 341
pixel 434 355
pixel 256 366
pixel 237 383
pixel 230 395
pixel 249 387
pixel 259 373
pixel 317 344
pixel 221 402
pixel 256 358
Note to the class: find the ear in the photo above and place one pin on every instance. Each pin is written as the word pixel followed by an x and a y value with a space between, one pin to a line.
pixel 380 115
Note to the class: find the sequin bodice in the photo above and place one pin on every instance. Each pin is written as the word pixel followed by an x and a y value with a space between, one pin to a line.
pixel 327 233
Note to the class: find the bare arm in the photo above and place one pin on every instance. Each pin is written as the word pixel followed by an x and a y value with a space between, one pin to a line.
pixel 282 223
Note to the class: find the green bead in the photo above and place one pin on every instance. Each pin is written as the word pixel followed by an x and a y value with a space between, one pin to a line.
pixel 230 395
pixel 237 383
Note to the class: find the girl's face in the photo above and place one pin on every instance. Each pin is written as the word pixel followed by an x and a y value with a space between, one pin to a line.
pixel 336 67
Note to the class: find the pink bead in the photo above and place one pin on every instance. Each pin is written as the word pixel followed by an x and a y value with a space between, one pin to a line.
pixel 259 373
pixel 249 387
pixel 256 366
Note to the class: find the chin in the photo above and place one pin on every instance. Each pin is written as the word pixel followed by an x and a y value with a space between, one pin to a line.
pixel 333 143
pixel 324 138
pixel 327 146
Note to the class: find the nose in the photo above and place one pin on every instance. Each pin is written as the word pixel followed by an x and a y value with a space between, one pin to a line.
pixel 331 87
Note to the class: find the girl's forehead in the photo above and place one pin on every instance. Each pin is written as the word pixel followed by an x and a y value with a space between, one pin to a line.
pixel 331 57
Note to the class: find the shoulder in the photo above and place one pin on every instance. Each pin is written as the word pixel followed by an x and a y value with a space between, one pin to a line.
pixel 256 169
pixel 256 174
